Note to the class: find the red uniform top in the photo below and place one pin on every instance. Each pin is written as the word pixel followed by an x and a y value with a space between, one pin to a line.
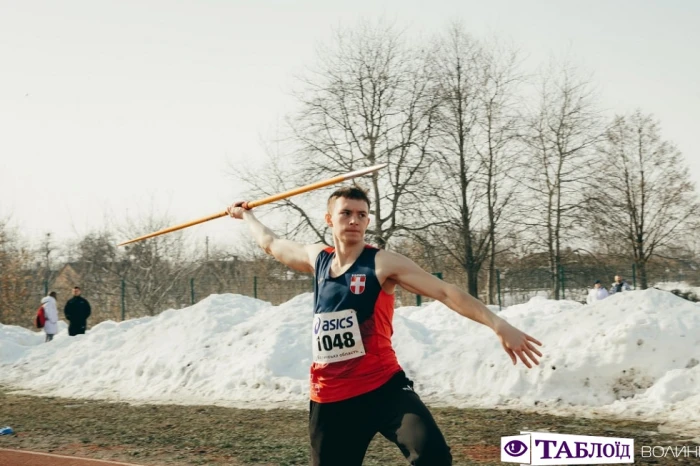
pixel 358 289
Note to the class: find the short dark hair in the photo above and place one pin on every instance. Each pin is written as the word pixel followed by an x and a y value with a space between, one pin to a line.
pixel 76 287
pixel 349 192
pixel 52 294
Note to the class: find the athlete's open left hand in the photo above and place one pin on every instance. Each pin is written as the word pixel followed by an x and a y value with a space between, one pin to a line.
pixel 518 344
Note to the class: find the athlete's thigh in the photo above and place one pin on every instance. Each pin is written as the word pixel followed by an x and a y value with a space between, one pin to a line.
pixel 339 432
pixel 407 422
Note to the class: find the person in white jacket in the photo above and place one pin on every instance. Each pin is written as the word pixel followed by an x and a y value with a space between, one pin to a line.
pixel 597 293
pixel 51 314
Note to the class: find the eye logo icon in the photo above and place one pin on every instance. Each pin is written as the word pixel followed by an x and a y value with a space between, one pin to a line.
pixel 515 448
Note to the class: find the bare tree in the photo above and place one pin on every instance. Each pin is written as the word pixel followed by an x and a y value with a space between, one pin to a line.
pixel 19 280
pixel 641 197
pixel 155 269
pixel 16 278
pixel 475 131
pixel 99 266
pixel 463 234
pixel 280 174
pixel 561 136
pixel 367 102
pixel 496 142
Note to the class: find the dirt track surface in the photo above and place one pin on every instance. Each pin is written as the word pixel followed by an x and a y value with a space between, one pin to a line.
pixel 27 458
pixel 211 435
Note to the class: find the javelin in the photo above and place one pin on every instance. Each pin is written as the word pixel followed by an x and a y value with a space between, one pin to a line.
pixel 266 200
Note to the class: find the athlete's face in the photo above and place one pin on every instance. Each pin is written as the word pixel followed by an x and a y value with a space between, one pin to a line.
pixel 349 219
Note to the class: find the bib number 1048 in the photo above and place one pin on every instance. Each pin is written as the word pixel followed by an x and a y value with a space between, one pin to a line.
pixel 336 337
pixel 327 343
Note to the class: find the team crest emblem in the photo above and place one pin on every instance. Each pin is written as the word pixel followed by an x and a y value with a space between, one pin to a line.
pixel 357 283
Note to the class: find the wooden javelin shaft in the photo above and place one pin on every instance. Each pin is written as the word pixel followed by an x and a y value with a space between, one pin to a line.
pixel 266 200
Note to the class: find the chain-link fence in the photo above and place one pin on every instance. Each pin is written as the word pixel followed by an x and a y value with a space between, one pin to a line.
pixel 122 298
pixel 516 286
pixel 126 300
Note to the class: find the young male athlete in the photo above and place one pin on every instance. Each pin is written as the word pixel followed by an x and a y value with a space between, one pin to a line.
pixel 357 385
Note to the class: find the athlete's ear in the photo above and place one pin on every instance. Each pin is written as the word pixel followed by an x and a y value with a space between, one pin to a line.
pixel 328 220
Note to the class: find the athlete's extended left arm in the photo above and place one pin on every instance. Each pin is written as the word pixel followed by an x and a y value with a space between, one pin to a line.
pixel 407 274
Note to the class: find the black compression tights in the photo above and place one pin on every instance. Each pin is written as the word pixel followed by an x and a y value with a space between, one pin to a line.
pixel 341 432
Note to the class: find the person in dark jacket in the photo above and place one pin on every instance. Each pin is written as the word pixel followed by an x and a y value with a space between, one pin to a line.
pixel 77 311
pixel 619 285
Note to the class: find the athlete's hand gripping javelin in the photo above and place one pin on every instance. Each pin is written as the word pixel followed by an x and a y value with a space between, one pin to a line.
pixel 236 210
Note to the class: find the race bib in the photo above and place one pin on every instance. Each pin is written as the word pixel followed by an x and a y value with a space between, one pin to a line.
pixel 336 337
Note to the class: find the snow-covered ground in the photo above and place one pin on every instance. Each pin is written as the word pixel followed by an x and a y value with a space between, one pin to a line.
pixel 635 355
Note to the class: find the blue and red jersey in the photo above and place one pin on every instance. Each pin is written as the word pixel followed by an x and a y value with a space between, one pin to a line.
pixel 357 289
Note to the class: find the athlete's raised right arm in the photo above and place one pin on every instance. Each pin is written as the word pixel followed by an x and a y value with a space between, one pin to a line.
pixel 295 255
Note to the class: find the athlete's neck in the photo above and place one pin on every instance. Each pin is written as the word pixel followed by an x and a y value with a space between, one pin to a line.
pixel 347 253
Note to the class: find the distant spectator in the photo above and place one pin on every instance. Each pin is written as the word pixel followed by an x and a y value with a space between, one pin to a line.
pixel 51 315
pixel 597 293
pixel 619 285
pixel 77 311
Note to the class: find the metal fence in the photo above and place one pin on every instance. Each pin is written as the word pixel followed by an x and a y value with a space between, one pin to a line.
pixel 119 299
pixel 518 286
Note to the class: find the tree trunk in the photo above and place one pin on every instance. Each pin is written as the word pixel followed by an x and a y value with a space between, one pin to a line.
pixel 471 268
pixel 642 273
pixel 491 298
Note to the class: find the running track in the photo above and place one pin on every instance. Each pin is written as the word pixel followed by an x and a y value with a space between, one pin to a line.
pixel 30 458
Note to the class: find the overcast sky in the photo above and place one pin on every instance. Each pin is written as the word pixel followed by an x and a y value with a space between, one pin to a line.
pixel 116 107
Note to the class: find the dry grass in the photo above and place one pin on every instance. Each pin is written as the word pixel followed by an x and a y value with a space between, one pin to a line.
pixel 210 435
